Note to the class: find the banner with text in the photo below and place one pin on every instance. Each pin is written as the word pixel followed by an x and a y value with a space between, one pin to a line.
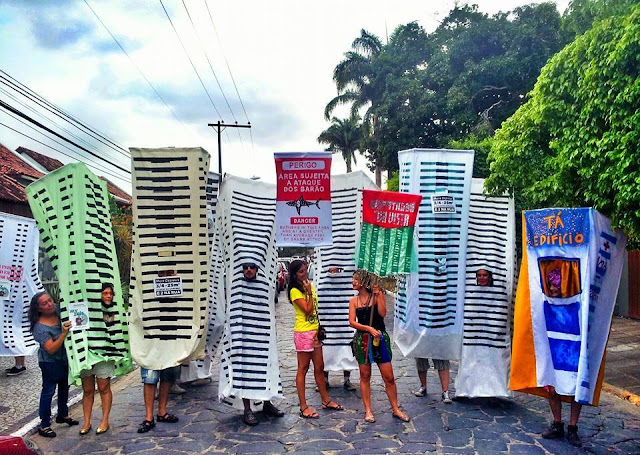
pixel 303 204
pixel 386 239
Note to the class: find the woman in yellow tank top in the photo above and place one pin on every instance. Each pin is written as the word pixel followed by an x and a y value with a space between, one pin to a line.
pixel 305 336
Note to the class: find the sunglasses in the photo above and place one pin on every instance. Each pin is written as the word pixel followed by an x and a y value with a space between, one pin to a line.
pixel 249 266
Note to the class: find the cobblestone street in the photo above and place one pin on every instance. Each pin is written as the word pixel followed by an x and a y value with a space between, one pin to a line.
pixel 466 426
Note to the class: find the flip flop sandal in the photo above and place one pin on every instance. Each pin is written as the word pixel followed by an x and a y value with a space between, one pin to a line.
pixel 167 418
pixel 313 415
pixel 369 417
pixel 146 425
pixel 335 407
pixel 402 416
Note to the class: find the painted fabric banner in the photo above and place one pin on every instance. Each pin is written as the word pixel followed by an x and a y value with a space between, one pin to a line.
pixel 249 354
pixel 19 282
pixel 303 206
pixel 202 368
pixel 429 304
pixel 170 260
pixel 386 244
pixel 571 267
pixel 71 207
pixel 335 268
pixel 488 297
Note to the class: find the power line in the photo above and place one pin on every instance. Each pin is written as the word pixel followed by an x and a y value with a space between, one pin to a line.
pixel 226 61
pixel 42 102
pixel 49 130
pixel 63 145
pixel 190 61
pixel 61 152
pixel 134 64
pixel 41 115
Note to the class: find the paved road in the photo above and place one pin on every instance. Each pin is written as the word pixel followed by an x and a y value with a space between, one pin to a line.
pixel 466 426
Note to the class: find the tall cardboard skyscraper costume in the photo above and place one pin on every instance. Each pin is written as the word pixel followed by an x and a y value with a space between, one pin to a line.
pixel 571 267
pixel 488 299
pixel 71 208
pixel 19 281
pixel 249 356
pixel 429 304
pixel 201 368
pixel 170 260
pixel 335 289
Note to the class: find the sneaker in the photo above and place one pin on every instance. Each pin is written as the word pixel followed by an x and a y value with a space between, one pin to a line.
pixel 421 392
pixel 572 436
pixel 348 386
pixel 176 389
pixel 249 418
pixel 445 397
pixel 15 371
pixel 556 430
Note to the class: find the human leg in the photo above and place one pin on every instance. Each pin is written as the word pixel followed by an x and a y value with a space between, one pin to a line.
pixel 248 417
pixel 304 359
pixel 386 371
pixel 46 395
pixel 106 399
pixel 422 365
pixel 18 368
pixel 365 388
pixel 556 430
pixel 88 389
pixel 572 428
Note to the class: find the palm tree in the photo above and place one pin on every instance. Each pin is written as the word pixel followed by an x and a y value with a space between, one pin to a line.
pixel 344 136
pixel 359 84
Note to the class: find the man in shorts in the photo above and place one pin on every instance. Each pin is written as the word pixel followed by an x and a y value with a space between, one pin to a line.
pixel 150 379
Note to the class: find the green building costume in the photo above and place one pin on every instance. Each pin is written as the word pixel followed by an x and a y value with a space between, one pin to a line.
pixel 71 208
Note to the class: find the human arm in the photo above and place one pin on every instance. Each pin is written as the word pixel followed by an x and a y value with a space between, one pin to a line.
pixel 378 299
pixel 52 346
pixel 304 301
pixel 355 324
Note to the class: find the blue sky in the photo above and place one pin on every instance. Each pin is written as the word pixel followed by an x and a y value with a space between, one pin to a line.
pixel 282 54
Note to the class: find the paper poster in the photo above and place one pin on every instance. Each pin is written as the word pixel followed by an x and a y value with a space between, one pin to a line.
pixel 79 315
pixel 169 286
pixel 443 204
pixel 303 205
pixel 5 288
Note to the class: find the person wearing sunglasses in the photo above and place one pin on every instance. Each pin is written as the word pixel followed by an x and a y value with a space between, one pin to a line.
pixel 250 273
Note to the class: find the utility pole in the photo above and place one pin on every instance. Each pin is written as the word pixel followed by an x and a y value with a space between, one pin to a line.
pixel 219 127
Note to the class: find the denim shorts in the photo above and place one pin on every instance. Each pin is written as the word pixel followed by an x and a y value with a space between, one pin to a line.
pixel 170 374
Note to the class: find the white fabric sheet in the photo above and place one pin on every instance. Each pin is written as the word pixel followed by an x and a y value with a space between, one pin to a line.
pixel 249 354
pixel 486 343
pixel 335 289
pixel 429 304
pixel 19 276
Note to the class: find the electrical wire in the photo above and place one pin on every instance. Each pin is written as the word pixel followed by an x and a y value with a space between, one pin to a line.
pixel 135 65
pixel 63 145
pixel 39 100
pixel 61 152
pixel 190 61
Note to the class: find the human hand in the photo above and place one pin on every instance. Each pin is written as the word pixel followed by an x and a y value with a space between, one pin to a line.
pixel 375 289
pixel 375 333
pixel 66 326
pixel 307 286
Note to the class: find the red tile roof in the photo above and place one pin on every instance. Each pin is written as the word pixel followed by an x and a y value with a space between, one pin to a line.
pixel 15 166
pixel 10 189
pixel 50 164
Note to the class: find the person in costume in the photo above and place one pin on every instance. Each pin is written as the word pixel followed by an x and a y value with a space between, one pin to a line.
pixel 372 344
pixel 305 336
pixel 556 430
pixel 101 372
pixel 50 333
pixel 484 277
pixel 250 273
pixel 443 367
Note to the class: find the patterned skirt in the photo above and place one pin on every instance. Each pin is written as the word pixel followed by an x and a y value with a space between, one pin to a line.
pixel 365 352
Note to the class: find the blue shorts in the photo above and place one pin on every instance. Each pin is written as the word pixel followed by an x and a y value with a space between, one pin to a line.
pixel 170 374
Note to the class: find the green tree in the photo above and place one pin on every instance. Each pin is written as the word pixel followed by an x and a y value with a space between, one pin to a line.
pixel 344 136
pixel 575 142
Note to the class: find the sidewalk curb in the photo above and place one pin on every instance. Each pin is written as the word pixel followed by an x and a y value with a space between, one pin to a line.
pixel 621 393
